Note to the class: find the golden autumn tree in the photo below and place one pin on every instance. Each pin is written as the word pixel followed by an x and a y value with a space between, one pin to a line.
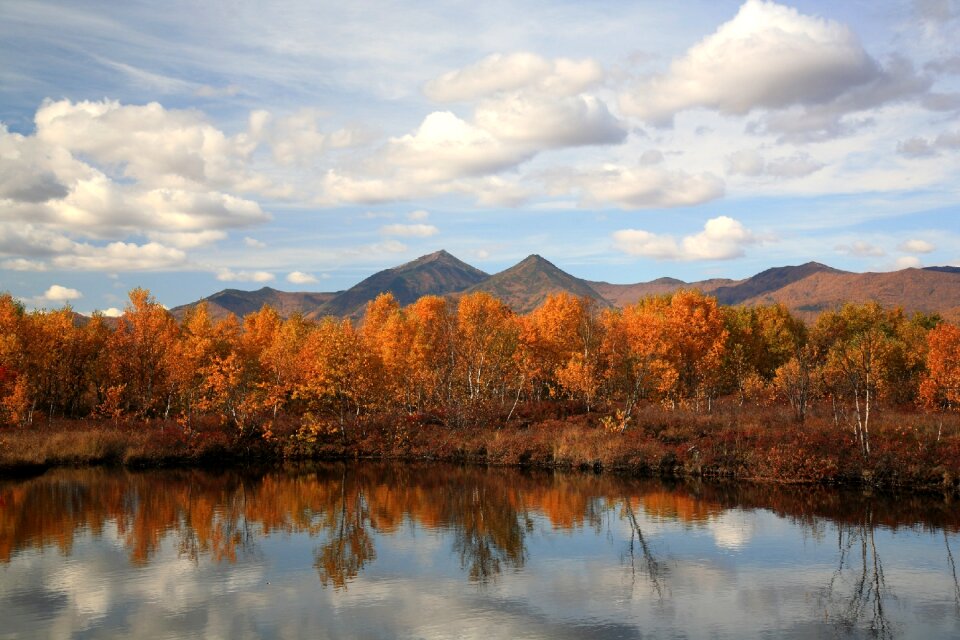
pixel 486 338
pixel 139 378
pixel 695 344
pixel 634 352
pixel 559 347
pixel 387 337
pixel 940 388
pixel 431 352
pixel 860 346
pixel 14 395
pixel 338 385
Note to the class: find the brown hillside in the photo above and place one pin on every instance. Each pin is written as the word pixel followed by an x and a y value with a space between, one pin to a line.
pixel 524 286
pixel 621 295
pixel 438 273
pixel 913 289
pixel 240 303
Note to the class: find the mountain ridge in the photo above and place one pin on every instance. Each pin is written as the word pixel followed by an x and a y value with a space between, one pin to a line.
pixel 807 289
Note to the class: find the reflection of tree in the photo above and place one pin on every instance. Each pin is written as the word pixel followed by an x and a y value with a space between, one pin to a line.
pixel 488 530
pixel 953 570
pixel 867 585
pixel 349 545
pixel 654 569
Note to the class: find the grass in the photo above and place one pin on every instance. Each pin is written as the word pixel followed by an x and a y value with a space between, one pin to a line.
pixel 909 448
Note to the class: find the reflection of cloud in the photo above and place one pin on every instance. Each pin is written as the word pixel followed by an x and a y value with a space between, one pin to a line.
pixel 733 529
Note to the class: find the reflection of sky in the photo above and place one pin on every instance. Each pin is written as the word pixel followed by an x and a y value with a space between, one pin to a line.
pixel 739 573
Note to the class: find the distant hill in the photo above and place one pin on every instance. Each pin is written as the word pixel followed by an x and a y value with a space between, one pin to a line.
pixel 240 303
pixel 438 273
pixel 913 289
pixel 806 289
pixel 769 281
pixel 524 286
pixel 620 295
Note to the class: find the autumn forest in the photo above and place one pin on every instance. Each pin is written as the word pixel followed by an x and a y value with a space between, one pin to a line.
pixel 670 384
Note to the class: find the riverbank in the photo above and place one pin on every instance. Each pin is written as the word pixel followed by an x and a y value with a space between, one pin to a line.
pixel 908 449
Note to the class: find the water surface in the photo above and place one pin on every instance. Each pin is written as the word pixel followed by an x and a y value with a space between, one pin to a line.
pixel 376 550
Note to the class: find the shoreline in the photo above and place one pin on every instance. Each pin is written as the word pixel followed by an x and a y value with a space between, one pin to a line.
pixel 666 445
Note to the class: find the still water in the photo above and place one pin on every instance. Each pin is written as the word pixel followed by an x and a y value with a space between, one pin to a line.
pixel 378 550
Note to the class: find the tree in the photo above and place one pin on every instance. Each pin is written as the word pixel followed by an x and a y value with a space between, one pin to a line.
pixel 139 372
pixel 940 388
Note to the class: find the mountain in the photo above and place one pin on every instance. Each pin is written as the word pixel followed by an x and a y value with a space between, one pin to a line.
pixel 806 289
pixel 913 289
pixel 438 273
pixel 527 284
pixel 241 303
pixel 769 281
pixel 620 295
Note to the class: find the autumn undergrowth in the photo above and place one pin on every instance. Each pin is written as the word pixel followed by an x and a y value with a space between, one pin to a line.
pixel 909 449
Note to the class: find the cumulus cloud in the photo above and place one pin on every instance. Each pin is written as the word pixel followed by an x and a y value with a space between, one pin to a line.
pixel 861 249
pixel 112 312
pixel 410 230
pixel 227 275
pixel 22 264
pixel 773 57
pixel 907 262
pixel 639 187
pixel 112 173
pixel 508 72
pixel 187 239
pixel 749 162
pixel 920 147
pixel 121 256
pixel 526 105
pixel 299 138
pixel 531 120
pixel 915 245
pixel 58 293
pixel 299 277
pixel 722 238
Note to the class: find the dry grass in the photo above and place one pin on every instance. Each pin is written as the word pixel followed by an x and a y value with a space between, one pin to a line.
pixel 909 449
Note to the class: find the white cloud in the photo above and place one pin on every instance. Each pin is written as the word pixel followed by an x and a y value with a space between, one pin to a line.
pixel 907 262
pixel 22 264
pixel 227 275
pixel 158 147
pixel 112 312
pixel 58 293
pixel 773 57
pixel 861 249
pixel 549 122
pixel 253 243
pixel 916 245
pixel 522 114
pixel 919 147
pixel 107 171
pixel 508 72
pixel 410 230
pixel 121 256
pixel 639 187
pixel 722 238
pixel 749 162
pixel 187 239
pixel 419 215
pixel 299 277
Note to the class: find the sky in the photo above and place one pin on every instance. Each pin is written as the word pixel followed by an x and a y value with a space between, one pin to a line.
pixel 190 147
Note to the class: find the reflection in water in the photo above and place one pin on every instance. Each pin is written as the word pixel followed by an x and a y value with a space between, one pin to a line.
pixel 536 542
pixel 866 585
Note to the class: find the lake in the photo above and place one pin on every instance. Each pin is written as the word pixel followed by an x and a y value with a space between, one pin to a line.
pixel 374 550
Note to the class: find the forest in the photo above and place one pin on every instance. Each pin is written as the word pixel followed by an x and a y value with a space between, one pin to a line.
pixel 673 383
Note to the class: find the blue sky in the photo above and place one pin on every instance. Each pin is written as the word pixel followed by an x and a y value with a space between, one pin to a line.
pixel 188 147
